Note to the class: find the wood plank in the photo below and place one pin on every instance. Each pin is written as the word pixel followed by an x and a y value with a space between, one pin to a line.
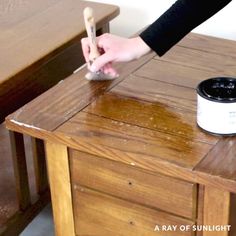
pixel 220 163
pixel 64 100
pixel 134 185
pixel 8 195
pixel 173 73
pixel 157 92
pixel 200 208
pixel 109 138
pixel 59 178
pixel 100 214
pixel 40 165
pixel 209 44
pixel 221 64
pixel 20 170
pixel 40 29
pixel 232 219
pixel 156 116
pixel 216 210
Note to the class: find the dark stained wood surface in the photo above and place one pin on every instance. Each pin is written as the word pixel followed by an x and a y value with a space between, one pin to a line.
pixel 149 124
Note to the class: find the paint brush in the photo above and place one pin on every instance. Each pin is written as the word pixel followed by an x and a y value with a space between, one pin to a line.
pixel 94 52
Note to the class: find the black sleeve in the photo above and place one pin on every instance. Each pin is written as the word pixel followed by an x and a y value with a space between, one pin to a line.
pixel 179 20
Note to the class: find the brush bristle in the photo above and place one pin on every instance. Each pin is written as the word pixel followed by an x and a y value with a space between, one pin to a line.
pixel 99 76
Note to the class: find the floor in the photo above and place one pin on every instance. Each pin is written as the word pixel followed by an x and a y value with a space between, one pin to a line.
pixel 42 225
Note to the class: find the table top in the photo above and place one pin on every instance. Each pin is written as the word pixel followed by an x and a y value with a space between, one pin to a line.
pixel 146 118
pixel 32 30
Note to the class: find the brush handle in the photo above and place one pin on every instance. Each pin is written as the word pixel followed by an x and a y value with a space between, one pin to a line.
pixel 91 32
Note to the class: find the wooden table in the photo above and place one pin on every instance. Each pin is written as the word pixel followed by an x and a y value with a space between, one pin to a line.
pixel 127 156
pixel 39 45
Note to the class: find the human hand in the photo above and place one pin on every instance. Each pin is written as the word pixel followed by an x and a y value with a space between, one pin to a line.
pixel 114 49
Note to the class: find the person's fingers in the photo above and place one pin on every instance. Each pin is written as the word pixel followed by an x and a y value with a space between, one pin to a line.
pixel 108 69
pixel 85 48
pixel 111 71
pixel 101 61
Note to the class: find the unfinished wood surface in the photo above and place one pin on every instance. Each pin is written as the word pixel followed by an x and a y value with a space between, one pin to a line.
pixel 100 214
pixel 59 179
pixel 40 165
pixel 155 116
pixel 223 65
pixel 64 100
pixel 216 210
pixel 20 170
pixel 209 44
pixel 127 182
pixel 173 73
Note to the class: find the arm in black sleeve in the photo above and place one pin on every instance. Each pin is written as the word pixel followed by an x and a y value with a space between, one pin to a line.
pixel 179 20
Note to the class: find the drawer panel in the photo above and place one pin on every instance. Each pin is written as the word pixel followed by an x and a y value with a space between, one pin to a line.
pixel 98 214
pixel 138 186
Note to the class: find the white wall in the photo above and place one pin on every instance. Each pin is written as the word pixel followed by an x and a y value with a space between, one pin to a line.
pixel 135 14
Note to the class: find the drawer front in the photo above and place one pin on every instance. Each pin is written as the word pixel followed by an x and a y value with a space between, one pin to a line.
pixel 127 182
pixel 98 214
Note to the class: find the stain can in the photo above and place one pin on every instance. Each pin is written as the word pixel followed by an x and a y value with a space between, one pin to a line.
pixel 216 105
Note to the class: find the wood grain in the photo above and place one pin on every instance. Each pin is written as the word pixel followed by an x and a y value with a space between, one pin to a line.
pixel 216 210
pixel 173 73
pixel 108 138
pixel 59 178
pixel 40 165
pixel 220 162
pixel 156 116
pixel 157 92
pixel 99 214
pixel 64 100
pixel 209 44
pixel 127 182
pixel 221 64
pixel 20 170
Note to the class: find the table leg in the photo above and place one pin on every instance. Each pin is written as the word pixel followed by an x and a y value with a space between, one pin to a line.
pixel 40 165
pixel 20 169
pixel 60 186
pixel 216 210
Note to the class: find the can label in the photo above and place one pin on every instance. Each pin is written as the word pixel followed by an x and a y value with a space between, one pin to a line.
pixel 216 117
